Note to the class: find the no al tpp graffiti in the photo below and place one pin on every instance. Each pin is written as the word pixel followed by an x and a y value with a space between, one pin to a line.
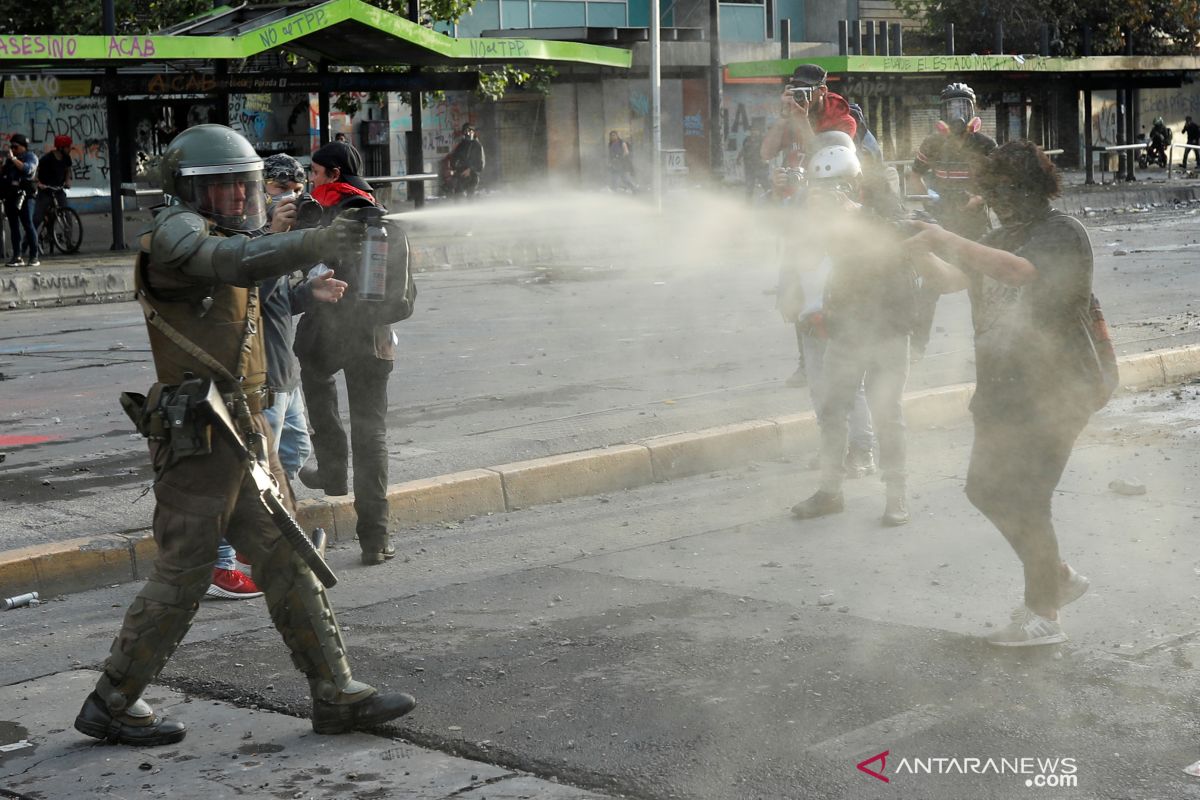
pixel 505 48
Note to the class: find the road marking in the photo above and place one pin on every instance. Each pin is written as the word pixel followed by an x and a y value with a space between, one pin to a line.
pixel 879 734
pixel 19 440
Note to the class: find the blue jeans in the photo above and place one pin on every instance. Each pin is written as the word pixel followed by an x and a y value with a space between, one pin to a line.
pixel 289 430
pixel 19 210
pixel 225 556
pixel 862 436
pixel 883 367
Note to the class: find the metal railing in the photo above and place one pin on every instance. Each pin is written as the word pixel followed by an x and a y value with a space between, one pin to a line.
pixel 1195 148
pixel 1115 148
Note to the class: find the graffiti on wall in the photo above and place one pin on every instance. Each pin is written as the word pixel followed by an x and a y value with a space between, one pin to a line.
pixel 440 124
pixel 1104 119
pixel 743 107
pixel 249 115
pixel 81 118
pixel 1170 104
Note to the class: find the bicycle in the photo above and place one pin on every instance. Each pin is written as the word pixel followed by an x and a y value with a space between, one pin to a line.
pixel 61 228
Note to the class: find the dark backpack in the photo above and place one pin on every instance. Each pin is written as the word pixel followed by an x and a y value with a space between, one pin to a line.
pixel 400 296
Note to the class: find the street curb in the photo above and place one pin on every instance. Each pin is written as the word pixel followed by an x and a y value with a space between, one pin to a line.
pixel 91 562
pixel 102 283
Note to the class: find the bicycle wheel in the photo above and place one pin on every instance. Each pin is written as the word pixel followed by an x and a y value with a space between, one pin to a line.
pixel 68 231
pixel 45 236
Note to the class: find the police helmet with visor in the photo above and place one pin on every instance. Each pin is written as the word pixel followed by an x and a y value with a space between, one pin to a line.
pixel 214 170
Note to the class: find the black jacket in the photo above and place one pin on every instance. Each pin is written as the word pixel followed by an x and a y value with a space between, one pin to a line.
pixel 330 334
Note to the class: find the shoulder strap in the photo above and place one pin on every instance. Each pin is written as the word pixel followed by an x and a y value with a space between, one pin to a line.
pixel 195 351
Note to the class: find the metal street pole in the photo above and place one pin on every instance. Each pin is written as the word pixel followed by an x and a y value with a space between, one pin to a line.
pixel 112 114
pixel 716 140
pixel 656 101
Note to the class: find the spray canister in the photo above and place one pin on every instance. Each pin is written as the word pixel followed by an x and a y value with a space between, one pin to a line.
pixel 372 271
pixel 20 600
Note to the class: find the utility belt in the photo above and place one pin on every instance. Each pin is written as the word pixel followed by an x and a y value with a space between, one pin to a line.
pixel 170 415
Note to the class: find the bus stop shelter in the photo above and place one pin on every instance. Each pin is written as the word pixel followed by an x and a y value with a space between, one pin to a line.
pixel 1044 89
pixel 228 51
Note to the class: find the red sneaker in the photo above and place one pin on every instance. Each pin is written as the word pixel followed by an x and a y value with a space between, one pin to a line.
pixel 229 584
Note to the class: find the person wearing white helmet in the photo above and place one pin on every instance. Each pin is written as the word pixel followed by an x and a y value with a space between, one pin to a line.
pixel 801 297
pixel 868 306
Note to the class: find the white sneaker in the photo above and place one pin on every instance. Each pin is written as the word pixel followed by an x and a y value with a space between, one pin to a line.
pixel 1033 630
pixel 1071 589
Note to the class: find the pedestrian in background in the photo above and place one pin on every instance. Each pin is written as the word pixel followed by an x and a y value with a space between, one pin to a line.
pixel 53 177
pixel 1037 381
pixel 466 162
pixel 1192 131
pixel 620 164
pixel 17 182
pixel 754 166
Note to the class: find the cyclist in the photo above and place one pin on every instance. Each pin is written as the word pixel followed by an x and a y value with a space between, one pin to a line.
pixel 53 177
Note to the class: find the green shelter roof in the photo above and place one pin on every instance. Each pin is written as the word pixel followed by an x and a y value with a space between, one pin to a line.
pixel 916 65
pixel 337 31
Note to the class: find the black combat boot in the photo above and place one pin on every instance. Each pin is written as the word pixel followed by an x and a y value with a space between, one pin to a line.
pixel 820 504
pixel 376 709
pixel 378 556
pixel 138 726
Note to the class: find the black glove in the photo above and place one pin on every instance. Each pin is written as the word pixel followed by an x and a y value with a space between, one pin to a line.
pixel 340 241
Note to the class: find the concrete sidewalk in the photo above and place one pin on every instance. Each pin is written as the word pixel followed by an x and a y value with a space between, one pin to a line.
pixel 281 758
pixel 89 562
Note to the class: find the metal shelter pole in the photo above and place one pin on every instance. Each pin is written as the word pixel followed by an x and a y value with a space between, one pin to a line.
pixel 112 113
pixel 716 141
pixel 414 158
pixel 1131 112
pixel 323 104
pixel 656 102
pixel 1090 175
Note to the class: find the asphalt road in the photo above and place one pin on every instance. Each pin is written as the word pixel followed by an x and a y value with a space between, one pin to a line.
pixel 660 331
pixel 672 641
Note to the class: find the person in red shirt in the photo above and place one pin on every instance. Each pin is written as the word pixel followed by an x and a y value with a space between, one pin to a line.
pixel 807 108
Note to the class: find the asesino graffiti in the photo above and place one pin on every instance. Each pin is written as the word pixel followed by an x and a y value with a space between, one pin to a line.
pixel 69 46
pixel 52 46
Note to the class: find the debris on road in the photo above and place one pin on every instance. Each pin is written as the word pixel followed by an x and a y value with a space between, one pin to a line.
pixel 20 600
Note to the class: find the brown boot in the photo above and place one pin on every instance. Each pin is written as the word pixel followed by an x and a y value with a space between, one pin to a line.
pixel 895 511
pixel 821 504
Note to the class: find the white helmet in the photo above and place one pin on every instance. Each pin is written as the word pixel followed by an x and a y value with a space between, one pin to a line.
pixel 836 159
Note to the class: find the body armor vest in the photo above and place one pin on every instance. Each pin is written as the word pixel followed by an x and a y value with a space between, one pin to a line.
pixel 212 317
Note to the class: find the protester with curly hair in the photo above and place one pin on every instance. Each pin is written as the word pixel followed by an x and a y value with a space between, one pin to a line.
pixel 1030 286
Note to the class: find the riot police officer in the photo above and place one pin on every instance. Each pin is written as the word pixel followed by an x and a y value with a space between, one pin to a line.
pixel 196 274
